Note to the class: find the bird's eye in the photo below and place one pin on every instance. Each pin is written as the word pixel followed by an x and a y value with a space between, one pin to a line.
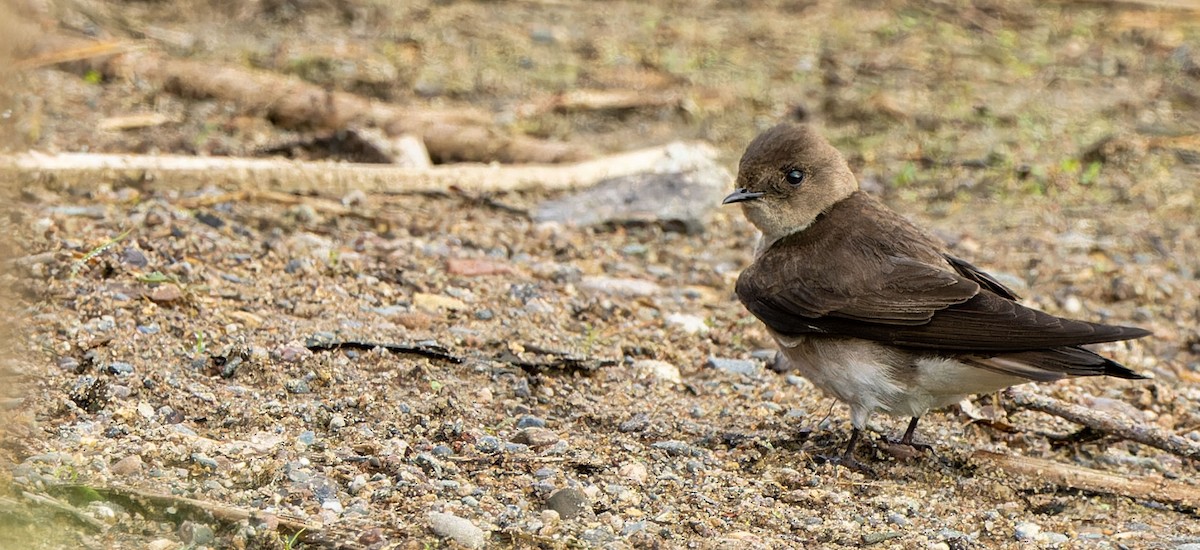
pixel 794 177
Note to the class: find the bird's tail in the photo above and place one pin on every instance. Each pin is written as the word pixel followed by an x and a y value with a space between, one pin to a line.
pixel 1055 364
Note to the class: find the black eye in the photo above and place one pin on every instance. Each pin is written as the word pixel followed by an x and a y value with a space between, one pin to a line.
pixel 794 177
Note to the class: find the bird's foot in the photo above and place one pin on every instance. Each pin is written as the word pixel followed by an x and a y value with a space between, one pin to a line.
pixel 849 462
pixel 905 450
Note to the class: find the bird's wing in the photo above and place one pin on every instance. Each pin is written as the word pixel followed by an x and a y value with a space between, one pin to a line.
pixel 984 280
pixel 901 301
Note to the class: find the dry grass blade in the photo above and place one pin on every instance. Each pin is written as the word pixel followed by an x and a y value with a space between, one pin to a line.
pixel 76 53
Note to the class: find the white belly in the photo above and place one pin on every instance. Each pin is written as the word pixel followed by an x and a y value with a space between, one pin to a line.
pixel 872 377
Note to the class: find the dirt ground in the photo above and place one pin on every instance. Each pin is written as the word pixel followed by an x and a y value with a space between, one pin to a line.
pixel 161 348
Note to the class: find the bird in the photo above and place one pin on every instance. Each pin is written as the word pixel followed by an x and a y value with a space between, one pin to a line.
pixel 876 312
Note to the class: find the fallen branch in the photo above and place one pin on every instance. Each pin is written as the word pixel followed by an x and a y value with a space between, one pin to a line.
pixel 451 135
pixel 1117 425
pixel 326 178
pixel 1087 479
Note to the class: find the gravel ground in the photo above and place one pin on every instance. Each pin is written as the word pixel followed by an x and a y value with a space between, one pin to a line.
pixel 550 385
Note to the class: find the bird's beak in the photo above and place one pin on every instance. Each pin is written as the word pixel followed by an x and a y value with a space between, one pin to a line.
pixel 740 195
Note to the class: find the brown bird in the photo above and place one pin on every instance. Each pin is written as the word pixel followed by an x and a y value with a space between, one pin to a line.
pixel 874 311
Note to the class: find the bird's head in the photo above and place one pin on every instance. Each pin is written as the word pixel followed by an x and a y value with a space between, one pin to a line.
pixel 788 175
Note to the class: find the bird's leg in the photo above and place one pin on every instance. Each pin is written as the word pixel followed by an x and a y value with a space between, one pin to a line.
pixel 847 457
pixel 907 440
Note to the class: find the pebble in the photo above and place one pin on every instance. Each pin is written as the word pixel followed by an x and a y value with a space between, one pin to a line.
pixel 633 527
pixel 205 461
pixel 307 437
pixel 660 370
pixel 675 447
pixel 129 465
pixel 433 303
pixel 536 437
pixel 458 529
pixel 635 472
pixel 337 422
pixel 441 451
pixel 528 421
pixel 690 324
pixel 1027 530
pixel 165 294
pixel 196 534
pixel 736 366
pixel 488 444
pixel 163 544
pixel 430 465
pixel 119 368
pixel 897 519
pixel 569 503
pixel 357 484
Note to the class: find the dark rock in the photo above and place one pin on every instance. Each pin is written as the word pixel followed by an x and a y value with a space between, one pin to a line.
pixel 569 503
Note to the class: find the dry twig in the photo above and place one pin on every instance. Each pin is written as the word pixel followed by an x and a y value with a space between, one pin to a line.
pixel 451 135
pixel 157 505
pixel 1087 479
pixel 284 176
pixel 64 508
pixel 1117 425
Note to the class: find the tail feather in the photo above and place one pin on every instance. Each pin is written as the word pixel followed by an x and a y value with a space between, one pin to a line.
pixel 1055 364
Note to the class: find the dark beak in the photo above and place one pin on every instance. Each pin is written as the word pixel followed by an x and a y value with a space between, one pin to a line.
pixel 740 195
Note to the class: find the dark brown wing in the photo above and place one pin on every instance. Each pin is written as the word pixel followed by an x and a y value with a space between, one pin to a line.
pixel 844 280
pixel 984 280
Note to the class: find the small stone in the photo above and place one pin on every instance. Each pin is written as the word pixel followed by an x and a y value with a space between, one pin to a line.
pixel 488 444
pixel 333 505
pixel 441 451
pixel 133 257
pixel 163 544
pixel 639 422
pixel 690 324
pixel 196 534
pixel 307 437
pixel 371 537
pixel 433 303
pixel 205 461
pixel 897 519
pixel 458 529
pixel 875 538
pixel 634 472
pixel 1072 304
pixel 528 421
pixel 297 386
pixel 129 465
pixel 536 437
pixel 1053 538
pixel 1027 530
pixel 735 366
pixel 661 370
pixel 119 368
pixel 165 294
pixel 357 484
pixel 633 527
pixel 677 448
pixel 337 422
pixel 485 315
pixel 429 464
pixel 569 503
